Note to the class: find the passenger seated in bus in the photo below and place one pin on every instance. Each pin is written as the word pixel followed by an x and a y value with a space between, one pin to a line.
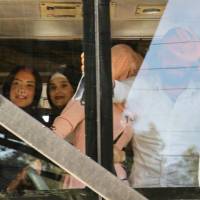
pixel 164 107
pixel 125 63
pixel 23 87
pixel 61 86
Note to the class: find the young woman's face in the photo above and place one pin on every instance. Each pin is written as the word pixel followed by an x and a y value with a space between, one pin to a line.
pixel 22 90
pixel 60 91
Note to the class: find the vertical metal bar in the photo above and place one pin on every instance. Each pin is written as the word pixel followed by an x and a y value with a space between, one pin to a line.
pixel 90 79
pixel 98 77
pixel 103 37
pixel 104 131
pixel 98 83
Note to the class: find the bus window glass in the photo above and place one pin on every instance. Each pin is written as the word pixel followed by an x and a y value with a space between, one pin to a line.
pixel 29 69
pixel 159 97
pixel 163 104
pixel 40 70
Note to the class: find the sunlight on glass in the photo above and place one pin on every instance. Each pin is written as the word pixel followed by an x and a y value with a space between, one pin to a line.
pixel 164 103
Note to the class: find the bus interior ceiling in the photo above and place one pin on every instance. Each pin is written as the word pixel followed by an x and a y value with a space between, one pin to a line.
pixel 47 33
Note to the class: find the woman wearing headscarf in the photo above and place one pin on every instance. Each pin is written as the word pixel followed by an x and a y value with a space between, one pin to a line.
pixel 125 63
pixel 61 86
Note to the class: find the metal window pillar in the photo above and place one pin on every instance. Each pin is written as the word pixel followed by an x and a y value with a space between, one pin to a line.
pixel 98 82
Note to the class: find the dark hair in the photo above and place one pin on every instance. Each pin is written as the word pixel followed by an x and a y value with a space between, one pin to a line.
pixel 7 83
pixel 72 76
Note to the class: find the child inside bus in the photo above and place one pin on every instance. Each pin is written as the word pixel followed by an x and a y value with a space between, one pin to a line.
pixel 125 63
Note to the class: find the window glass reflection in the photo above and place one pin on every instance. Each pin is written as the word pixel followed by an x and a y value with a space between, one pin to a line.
pixel 164 104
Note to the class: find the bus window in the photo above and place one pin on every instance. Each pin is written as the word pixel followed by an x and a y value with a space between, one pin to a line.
pixel 26 65
pixel 157 102
pixel 163 104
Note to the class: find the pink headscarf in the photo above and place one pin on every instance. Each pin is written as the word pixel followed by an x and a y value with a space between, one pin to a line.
pixel 125 62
